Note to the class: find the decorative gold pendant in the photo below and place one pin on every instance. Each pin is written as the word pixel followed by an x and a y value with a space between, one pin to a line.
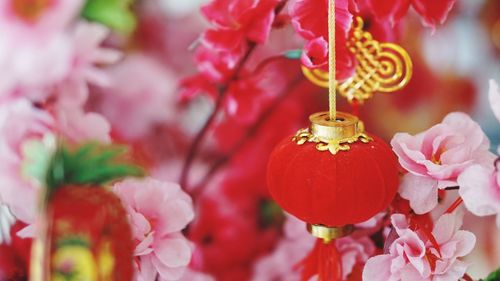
pixel 333 136
pixel 382 67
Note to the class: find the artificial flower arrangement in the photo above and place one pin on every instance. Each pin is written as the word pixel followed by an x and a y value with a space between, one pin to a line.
pixel 77 73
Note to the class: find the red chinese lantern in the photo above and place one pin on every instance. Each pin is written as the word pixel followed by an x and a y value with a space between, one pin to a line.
pixel 83 231
pixel 332 175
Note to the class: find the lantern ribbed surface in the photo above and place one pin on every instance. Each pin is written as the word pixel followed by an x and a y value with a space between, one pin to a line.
pixel 334 190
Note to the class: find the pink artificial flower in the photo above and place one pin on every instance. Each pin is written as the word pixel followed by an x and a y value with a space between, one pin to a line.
pixel 435 158
pixel 37 20
pixel 310 20
pixel 144 90
pixel 19 122
pixel 157 212
pixel 191 275
pixel 79 126
pixel 88 57
pixel 480 184
pixel 33 46
pixel 480 190
pixel 50 56
pixel 494 97
pixel 297 243
pixel 412 256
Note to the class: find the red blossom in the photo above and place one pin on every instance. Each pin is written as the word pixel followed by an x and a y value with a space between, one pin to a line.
pixel 245 100
pixel 253 19
pixel 310 20
pixel 15 257
pixel 226 222
pixel 432 12
pixel 237 26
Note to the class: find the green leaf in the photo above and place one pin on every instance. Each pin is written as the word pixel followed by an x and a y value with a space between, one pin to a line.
pixel 494 276
pixel 89 165
pixel 36 158
pixel 293 54
pixel 115 14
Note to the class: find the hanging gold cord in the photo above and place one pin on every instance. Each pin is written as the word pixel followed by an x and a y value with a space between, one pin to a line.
pixel 331 61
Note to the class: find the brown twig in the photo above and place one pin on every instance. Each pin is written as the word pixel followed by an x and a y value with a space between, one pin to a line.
pixel 251 132
pixel 200 136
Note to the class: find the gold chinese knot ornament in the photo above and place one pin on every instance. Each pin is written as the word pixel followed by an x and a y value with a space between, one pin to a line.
pixel 382 67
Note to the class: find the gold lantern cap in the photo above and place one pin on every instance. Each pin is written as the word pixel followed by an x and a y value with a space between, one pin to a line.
pixel 333 136
pixel 345 126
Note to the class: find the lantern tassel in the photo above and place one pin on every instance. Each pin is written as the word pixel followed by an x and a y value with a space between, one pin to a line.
pixel 324 261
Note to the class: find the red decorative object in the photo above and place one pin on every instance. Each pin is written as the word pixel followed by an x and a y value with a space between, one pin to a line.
pixel 333 190
pixel 90 235
pixel 332 175
pixel 83 231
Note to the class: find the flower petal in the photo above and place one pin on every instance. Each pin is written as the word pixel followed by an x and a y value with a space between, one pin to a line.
pixel 422 192
pixel 494 97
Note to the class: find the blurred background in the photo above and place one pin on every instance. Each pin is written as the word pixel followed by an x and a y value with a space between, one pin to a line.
pixel 238 232
pixel 452 67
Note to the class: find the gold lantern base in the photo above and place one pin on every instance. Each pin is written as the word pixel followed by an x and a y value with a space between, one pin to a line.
pixel 327 234
pixel 333 135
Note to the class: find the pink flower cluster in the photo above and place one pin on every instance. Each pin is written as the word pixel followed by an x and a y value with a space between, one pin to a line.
pixel 453 154
pixel 297 242
pixel 414 256
pixel 435 158
pixel 480 184
pixel 49 58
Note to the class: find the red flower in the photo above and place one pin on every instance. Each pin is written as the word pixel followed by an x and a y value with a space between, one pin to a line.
pixel 15 257
pixel 236 216
pixel 238 24
pixel 253 19
pixel 433 12
pixel 310 20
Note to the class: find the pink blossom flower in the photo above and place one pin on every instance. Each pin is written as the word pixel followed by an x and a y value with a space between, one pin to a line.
pixel 412 256
pixel 494 97
pixel 297 242
pixel 157 212
pixel 436 157
pixel 37 20
pixel 79 126
pixel 142 88
pixel 480 190
pixel 33 46
pixel 19 122
pixel 191 275
pixel 88 57
pixel 49 55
